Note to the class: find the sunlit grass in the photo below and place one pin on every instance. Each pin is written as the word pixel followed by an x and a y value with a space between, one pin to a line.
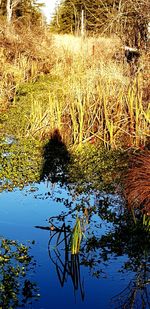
pixel 89 92
pixel 103 101
pixel 76 237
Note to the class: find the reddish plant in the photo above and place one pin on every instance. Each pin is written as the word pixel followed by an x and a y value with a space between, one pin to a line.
pixel 137 182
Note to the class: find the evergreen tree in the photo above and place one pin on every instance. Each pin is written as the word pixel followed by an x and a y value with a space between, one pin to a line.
pixel 23 10
pixel 97 14
pixel 126 18
pixel 28 11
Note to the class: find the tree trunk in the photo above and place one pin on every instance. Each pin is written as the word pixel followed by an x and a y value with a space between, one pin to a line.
pixel 9 8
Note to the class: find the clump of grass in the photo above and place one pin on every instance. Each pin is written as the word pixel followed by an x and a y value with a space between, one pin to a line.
pixel 137 184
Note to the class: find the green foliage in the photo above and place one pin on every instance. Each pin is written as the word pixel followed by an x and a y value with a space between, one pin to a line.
pixel 20 163
pixel 95 168
pixel 25 116
pixel 91 168
pixel 15 288
pixel 76 237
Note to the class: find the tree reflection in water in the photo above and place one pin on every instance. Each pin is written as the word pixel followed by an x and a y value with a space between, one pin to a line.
pixel 110 233
pixel 136 294
pixel 16 289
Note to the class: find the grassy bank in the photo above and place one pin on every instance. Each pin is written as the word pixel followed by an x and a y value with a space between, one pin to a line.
pixel 83 87
pixel 86 91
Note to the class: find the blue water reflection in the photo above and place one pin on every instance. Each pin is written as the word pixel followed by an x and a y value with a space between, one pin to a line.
pixel 22 210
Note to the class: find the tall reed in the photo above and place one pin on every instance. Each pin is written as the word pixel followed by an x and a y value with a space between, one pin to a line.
pixel 102 101
pixel 89 94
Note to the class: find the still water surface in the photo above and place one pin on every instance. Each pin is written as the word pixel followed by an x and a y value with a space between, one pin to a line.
pixel 99 276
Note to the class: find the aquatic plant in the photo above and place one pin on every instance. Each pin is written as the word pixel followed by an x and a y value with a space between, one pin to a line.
pixel 15 287
pixel 92 168
pixel 67 265
pixel 110 235
pixel 20 162
pixel 89 167
pixel 76 236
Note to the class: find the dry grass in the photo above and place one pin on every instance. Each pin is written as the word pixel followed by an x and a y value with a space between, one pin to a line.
pixel 102 99
pixel 24 55
pixel 93 95
pixel 88 46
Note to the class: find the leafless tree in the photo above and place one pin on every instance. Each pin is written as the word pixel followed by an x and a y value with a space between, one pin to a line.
pixel 10 5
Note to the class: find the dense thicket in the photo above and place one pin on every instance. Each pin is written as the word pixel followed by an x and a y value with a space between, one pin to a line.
pixel 96 15
pixel 24 11
pixel 127 18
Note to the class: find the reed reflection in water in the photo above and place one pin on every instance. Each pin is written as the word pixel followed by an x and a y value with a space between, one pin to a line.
pixel 67 265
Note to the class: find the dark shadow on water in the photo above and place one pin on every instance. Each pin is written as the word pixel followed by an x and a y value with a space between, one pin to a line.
pixel 56 158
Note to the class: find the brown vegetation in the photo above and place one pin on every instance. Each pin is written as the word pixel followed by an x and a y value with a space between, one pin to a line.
pixel 24 54
pixel 87 91
pixel 137 182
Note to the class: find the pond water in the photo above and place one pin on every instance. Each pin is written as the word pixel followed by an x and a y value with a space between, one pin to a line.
pixel 97 278
pixel 112 269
